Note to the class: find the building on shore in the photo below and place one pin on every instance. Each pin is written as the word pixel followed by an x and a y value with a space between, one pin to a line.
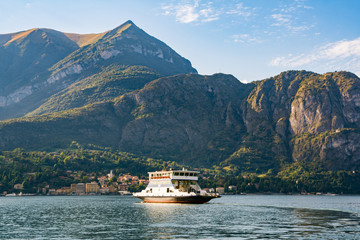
pixel 220 190
pixel 110 175
pixel 80 188
pixel 18 186
pixel 52 191
pixel 73 188
pixel 63 191
pixel 123 187
pixel 92 187
pixel 104 190
pixel 232 188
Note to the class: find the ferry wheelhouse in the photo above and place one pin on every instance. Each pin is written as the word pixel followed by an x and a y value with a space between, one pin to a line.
pixel 174 186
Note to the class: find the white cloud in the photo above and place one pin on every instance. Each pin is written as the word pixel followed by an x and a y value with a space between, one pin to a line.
pixel 341 55
pixel 244 38
pixel 281 19
pixel 191 11
pixel 183 13
pixel 241 10
pixel 287 21
pixel 287 10
pixel 208 15
pixel 288 17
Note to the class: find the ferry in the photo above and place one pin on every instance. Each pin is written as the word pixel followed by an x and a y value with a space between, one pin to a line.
pixel 174 186
pixel 11 195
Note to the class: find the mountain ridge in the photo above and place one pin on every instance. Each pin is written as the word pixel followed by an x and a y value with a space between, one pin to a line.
pixel 78 57
pixel 213 121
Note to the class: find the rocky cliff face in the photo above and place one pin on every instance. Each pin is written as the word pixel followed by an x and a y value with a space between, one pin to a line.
pixel 311 113
pixel 327 108
pixel 127 45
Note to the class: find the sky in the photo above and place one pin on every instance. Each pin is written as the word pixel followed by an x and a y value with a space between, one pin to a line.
pixel 250 39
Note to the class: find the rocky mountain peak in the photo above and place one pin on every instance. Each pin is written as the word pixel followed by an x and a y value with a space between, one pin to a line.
pixel 51 61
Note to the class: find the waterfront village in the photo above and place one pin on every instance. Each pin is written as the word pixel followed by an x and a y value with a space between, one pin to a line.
pixel 108 184
pixel 95 185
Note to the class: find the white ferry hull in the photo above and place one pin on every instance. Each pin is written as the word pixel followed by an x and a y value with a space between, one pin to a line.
pixel 179 199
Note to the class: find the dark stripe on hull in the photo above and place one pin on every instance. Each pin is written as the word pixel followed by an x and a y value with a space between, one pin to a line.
pixel 187 199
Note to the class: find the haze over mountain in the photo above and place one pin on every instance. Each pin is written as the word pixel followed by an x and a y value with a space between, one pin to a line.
pixel 38 63
pixel 127 90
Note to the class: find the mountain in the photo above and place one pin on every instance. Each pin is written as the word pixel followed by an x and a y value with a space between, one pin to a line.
pixel 311 117
pixel 294 117
pixel 127 90
pixel 112 81
pixel 181 118
pixel 40 63
pixel 25 55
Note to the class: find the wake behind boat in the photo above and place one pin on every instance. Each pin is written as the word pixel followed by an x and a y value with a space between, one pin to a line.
pixel 174 186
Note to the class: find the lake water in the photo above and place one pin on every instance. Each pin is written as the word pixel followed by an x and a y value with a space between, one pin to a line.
pixel 124 217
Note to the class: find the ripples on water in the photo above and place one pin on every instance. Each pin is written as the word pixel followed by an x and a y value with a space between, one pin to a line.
pixel 238 217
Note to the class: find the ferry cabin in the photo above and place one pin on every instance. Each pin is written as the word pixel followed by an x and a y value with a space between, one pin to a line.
pixel 173 181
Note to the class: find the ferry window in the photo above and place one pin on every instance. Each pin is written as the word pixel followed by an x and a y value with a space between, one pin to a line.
pixel 151 190
pixel 186 174
pixel 191 174
pixel 168 189
pixel 176 174
pixel 182 174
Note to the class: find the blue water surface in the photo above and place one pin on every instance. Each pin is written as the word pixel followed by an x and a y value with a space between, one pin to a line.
pixel 235 217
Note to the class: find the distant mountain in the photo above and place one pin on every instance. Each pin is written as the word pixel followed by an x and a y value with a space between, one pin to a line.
pixel 296 116
pixel 38 63
pixel 25 55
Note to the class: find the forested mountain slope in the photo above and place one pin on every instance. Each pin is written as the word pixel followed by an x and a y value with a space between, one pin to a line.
pixel 296 116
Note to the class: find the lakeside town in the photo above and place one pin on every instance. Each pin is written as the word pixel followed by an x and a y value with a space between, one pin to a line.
pixel 94 185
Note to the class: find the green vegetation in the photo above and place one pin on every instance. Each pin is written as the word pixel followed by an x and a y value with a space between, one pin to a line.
pixel 296 178
pixel 113 81
pixel 37 169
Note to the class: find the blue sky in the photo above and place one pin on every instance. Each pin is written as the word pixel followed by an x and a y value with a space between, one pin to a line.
pixel 251 39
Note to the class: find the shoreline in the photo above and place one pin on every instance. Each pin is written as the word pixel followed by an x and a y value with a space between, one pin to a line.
pixel 242 194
